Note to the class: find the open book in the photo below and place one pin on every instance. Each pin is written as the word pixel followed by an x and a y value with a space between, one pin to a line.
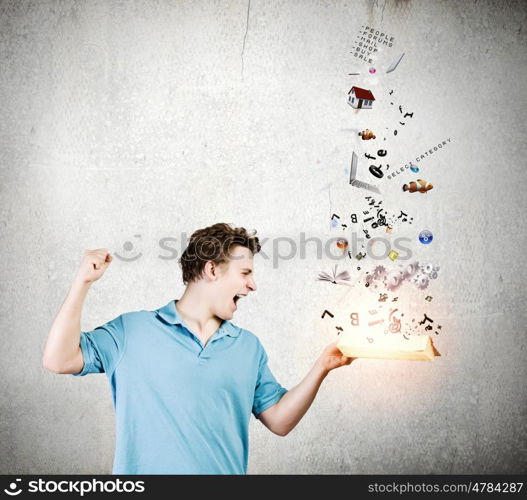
pixel 388 346
pixel 342 278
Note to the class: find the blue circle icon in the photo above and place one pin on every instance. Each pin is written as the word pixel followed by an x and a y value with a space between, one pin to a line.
pixel 414 169
pixel 426 237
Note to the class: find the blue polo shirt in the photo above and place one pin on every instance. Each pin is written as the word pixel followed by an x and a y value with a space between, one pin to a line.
pixel 180 408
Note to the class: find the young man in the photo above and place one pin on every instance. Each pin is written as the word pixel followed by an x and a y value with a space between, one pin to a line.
pixel 184 379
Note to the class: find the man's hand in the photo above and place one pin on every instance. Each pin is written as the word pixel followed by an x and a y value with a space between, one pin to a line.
pixel 93 265
pixel 332 358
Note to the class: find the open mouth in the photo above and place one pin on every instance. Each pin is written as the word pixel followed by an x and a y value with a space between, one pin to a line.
pixel 236 298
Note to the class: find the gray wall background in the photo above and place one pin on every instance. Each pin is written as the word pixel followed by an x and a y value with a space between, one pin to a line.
pixel 154 118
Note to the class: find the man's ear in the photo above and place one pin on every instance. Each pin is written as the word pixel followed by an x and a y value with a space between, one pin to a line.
pixel 211 270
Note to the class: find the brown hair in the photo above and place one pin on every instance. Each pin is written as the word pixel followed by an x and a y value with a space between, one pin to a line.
pixel 214 243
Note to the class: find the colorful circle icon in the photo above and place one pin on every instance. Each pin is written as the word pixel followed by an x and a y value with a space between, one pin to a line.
pixel 414 169
pixel 426 237
pixel 342 244
pixel 372 71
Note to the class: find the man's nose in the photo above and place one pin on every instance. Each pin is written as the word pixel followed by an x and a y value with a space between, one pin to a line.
pixel 252 285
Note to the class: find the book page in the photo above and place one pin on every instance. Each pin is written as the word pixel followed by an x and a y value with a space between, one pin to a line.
pixel 388 342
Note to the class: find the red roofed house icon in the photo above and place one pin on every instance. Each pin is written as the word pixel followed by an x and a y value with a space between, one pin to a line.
pixel 360 98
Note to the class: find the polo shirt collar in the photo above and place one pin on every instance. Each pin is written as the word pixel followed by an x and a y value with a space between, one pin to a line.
pixel 170 314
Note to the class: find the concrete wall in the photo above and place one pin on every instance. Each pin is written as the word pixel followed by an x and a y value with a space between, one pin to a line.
pixel 125 122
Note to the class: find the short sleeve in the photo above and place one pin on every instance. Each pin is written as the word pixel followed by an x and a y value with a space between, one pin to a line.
pixel 267 391
pixel 103 347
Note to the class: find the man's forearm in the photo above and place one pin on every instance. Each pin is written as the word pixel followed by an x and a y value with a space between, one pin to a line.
pixel 294 404
pixel 64 335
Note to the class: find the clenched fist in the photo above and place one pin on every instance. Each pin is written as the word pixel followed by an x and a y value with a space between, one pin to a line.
pixel 93 265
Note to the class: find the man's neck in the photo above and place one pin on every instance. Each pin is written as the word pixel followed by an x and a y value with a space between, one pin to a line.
pixel 197 315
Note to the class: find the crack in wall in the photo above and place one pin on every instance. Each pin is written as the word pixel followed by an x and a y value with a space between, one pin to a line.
pixel 246 31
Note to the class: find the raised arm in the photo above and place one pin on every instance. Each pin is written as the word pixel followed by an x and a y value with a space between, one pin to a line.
pixel 62 353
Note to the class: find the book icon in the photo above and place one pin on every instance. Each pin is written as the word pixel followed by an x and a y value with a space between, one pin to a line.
pixel 388 346
pixel 342 278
